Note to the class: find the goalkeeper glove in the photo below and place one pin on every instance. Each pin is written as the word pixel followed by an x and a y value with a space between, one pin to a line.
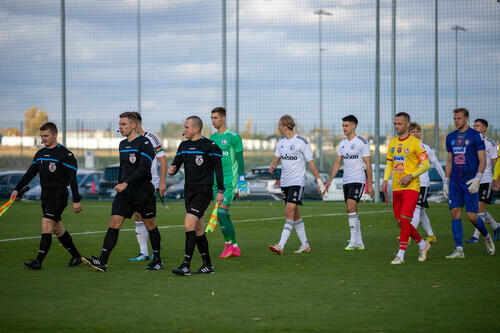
pixel 242 188
pixel 446 186
pixel 320 185
pixel 474 183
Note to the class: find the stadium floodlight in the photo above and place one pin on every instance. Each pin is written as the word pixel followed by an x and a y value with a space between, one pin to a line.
pixel 457 28
pixel 320 13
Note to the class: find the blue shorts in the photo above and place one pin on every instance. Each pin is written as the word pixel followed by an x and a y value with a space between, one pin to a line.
pixel 459 195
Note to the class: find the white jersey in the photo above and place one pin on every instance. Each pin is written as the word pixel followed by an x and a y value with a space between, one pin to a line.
pixel 424 178
pixel 491 153
pixel 352 153
pixel 294 153
pixel 155 179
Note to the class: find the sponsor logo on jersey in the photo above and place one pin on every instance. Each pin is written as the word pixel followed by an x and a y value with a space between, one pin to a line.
pixel 460 141
pixel 399 167
pixel 351 157
pixel 52 166
pixel 400 149
pixel 288 157
pixel 225 153
pixel 199 160
pixel 407 150
pixel 399 158
pixel 459 150
pixel 132 158
pixel 459 159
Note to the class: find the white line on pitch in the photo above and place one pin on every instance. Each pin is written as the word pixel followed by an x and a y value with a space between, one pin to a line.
pixel 181 225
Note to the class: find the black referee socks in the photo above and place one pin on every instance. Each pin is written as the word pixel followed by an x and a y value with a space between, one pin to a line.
pixel 190 244
pixel 155 239
pixel 45 243
pixel 109 243
pixel 67 241
pixel 202 243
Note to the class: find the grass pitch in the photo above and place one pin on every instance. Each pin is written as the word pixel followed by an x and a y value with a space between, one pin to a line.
pixel 326 290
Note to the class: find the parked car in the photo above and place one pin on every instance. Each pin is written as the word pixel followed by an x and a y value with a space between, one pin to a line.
pixel 175 191
pixel 88 186
pixel 9 180
pixel 110 180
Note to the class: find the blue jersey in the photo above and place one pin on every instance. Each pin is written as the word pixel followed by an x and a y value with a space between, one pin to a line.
pixel 464 147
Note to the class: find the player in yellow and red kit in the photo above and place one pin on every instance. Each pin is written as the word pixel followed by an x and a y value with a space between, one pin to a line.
pixel 406 156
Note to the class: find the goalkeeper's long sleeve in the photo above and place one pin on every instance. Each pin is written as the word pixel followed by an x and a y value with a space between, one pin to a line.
pixel 241 163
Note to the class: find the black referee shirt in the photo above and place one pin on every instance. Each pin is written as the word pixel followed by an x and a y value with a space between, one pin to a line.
pixel 201 158
pixel 57 168
pixel 136 157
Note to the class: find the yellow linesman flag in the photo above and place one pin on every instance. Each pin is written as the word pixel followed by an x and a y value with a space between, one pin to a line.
pixel 212 223
pixel 5 206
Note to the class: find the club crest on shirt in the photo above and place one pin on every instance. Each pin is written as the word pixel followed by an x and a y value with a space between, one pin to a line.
pixel 467 142
pixel 407 150
pixel 353 146
pixel 199 160
pixel 292 147
pixel 52 166
pixel 224 142
pixel 400 149
pixel 132 158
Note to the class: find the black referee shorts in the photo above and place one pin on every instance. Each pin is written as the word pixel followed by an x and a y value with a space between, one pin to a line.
pixel 197 198
pixel 54 201
pixel 138 198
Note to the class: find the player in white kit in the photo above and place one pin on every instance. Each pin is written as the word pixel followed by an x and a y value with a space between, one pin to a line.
pixel 419 215
pixel 485 187
pixel 293 151
pixel 158 182
pixel 354 151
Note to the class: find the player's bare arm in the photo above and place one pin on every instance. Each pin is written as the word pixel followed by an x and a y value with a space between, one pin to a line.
pixel 369 176
pixel 274 164
pixel 314 170
pixel 163 174
pixel 333 172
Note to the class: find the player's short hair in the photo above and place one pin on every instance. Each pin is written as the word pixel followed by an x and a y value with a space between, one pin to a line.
pixel 197 122
pixel 132 116
pixel 220 110
pixel 464 111
pixel 49 126
pixel 403 114
pixel 350 118
pixel 287 121
pixel 482 121
pixel 414 125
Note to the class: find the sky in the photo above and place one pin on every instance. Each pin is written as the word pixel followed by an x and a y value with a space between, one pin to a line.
pixel 181 61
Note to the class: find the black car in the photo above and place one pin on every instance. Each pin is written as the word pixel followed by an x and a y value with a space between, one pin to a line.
pixel 9 180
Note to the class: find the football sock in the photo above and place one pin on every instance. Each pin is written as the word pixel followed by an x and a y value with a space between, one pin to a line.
pixel 287 230
pixel 352 227
pixel 109 243
pixel 223 214
pixel 476 233
pixel 481 227
pixel 301 232
pixel 45 243
pixel 359 239
pixel 426 223
pixel 67 241
pixel 489 219
pixel 422 244
pixel 232 231
pixel 404 234
pixel 155 239
pixel 414 233
pixel 401 253
pixel 189 248
pixel 456 228
pixel 415 221
pixel 202 243
pixel 142 237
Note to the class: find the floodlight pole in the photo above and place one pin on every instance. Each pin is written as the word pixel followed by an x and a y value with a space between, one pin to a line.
pixel 237 88
pixel 436 81
pixel 139 92
pixel 320 13
pixel 377 104
pixel 393 63
pixel 457 28
pixel 63 70
pixel 224 51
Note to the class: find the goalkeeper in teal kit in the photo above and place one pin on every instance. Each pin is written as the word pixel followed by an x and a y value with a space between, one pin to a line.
pixel 233 168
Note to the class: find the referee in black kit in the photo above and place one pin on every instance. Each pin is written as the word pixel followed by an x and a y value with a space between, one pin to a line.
pixel 57 167
pixel 201 157
pixel 135 193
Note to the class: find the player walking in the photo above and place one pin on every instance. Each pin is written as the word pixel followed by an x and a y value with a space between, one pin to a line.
pixel 135 193
pixel 464 169
pixel 354 151
pixel 406 156
pixel 485 190
pixel 233 168
pixel 57 167
pixel 293 151
pixel 420 215
pixel 141 232
pixel 201 158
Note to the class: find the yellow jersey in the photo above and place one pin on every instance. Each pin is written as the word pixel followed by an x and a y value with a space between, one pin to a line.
pixel 406 156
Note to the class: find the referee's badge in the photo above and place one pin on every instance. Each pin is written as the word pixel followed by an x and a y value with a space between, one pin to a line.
pixel 199 160
pixel 52 166
pixel 132 158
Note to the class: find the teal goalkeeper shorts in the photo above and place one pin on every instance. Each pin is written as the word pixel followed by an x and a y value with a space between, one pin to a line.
pixel 228 193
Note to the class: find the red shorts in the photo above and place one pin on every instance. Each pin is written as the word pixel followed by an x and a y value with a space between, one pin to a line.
pixel 404 203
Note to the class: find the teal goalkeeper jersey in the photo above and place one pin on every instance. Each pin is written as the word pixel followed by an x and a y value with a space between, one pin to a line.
pixel 230 143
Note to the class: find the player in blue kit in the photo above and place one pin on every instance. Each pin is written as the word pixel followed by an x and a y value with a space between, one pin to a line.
pixel 464 168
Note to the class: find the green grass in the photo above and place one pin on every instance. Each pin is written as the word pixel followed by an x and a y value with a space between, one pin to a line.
pixel 326 290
